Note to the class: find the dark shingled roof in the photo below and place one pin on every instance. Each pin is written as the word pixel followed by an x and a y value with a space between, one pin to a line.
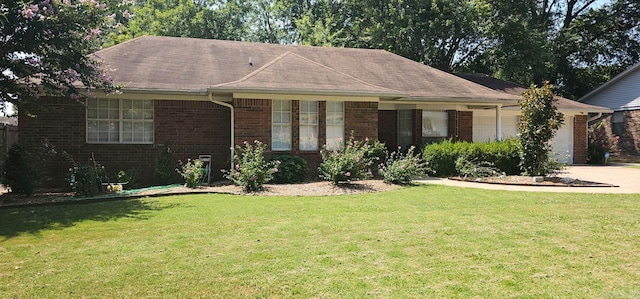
pixel 156 63
pixel 518 90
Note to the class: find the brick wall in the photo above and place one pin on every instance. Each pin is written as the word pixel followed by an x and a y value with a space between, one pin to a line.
pixel 192 128
pixel 580 141
pixel 362 119
pixel 252 120
pixel 629 142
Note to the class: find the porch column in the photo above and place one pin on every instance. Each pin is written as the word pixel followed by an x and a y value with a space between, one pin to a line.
pixel 499 122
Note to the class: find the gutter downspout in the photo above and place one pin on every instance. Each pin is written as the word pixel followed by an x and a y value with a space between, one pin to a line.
pixel 597 116
pixel 233 139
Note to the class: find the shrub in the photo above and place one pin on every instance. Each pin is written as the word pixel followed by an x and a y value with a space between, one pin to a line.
pixel 19 171
pixel 473 169
pixel 86 179
pixel 352 162
pixel 600 143
pixel 191 172
pixel 441 157
pixel 400 168
pixel 539 122
pixel 291 169
pixel 165 165
pixel 251 171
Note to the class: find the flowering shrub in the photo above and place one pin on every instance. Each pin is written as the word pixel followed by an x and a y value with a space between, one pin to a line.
pixel 400 168
pixel 251 171
pixel 600 143
pixel 86 179
pixel 352 162
pixel 191 172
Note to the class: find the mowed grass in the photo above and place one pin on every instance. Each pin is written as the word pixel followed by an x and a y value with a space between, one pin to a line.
pixel 416 242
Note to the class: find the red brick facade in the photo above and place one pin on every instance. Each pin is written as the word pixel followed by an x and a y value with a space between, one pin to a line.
pixel 629 142
pixel 461 125
pixel 192 129
pixel 580 139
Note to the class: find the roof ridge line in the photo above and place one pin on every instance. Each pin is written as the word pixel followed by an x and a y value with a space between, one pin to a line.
pixel 344 74
pixel 260 69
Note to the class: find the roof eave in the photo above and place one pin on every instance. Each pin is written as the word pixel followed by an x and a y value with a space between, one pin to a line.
pixel 294 91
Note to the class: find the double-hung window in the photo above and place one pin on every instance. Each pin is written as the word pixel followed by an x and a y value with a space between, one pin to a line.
pixel 281 125
pixel 435 126
pixel 335 125
pixel 119 121
pixel 308 125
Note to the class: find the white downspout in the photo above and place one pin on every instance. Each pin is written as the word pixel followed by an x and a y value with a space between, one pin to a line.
pixel 233 139
pixel 499 122
pixel 599 115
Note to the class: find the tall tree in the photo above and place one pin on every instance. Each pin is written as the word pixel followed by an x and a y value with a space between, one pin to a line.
pixel 45 48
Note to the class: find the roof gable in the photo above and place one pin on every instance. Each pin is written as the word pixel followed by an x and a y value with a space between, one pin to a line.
pixel 620 93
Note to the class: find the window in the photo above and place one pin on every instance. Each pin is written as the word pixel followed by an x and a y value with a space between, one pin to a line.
pixel 119 121
pixel 335 125
pixel 405 128
pixel 281 125
pixel 308 125
pixel 617 123
pixel 435 126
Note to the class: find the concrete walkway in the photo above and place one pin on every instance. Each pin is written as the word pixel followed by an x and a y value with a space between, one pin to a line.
pixel 626 178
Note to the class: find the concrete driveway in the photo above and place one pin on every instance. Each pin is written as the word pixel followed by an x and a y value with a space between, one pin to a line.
pixel 626 178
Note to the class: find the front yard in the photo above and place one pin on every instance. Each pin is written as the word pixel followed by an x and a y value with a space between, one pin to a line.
pixel 421 242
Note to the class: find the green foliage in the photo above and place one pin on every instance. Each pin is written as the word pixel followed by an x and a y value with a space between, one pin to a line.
pixel 251 171
pixel 191 172
pixel 45 46
pixel 165 165
pixel 441 157
pixel 474 169
pixel 291 169
pixel 539 122
pixel 86 179
pixel 19 171
pixel 352 162
pixel 399 168
pixel 600 142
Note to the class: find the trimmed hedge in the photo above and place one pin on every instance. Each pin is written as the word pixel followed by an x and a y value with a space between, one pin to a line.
pixel 442 156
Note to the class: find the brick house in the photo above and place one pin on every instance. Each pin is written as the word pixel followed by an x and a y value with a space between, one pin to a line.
pixel 202 96
pixel 622 95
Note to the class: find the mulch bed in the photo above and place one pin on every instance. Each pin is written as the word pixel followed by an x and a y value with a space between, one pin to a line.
pixel 529 181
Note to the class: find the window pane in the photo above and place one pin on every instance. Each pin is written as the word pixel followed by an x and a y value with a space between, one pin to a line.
pixel 281 125
pixel 435 124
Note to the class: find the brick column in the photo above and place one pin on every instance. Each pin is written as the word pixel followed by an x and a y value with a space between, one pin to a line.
pixel 580 142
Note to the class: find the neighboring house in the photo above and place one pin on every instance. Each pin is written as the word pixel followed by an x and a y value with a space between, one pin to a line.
pixel 570 142
pixel 203 96
pixel 8 135
pixel 622 95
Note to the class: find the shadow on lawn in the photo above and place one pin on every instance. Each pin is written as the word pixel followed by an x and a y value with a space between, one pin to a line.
pixel 16 221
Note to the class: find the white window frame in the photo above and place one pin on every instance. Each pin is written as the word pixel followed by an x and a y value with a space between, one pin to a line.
pixel 335 123
pixel 108 114
pixel 308 122
pixel 281 122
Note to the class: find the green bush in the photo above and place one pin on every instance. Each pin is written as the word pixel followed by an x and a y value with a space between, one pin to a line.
pixel 441 157
pixel 191 172
pixel 399 168
pixel 251 171
pixel 474 169
pixel 600 142
pixel 291 169
pixel 86 179
pixel 19 171
pixel 165 165
pixel 353 162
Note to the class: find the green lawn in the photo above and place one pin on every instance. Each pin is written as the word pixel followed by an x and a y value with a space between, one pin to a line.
pixel 420 242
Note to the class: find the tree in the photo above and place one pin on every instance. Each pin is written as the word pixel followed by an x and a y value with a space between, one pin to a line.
pixel 539 122
pixel 45 49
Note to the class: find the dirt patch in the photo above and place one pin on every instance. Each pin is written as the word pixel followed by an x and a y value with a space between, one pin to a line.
pixel 303 189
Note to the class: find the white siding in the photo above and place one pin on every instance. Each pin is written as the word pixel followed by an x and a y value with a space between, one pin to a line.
pixel 623 93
